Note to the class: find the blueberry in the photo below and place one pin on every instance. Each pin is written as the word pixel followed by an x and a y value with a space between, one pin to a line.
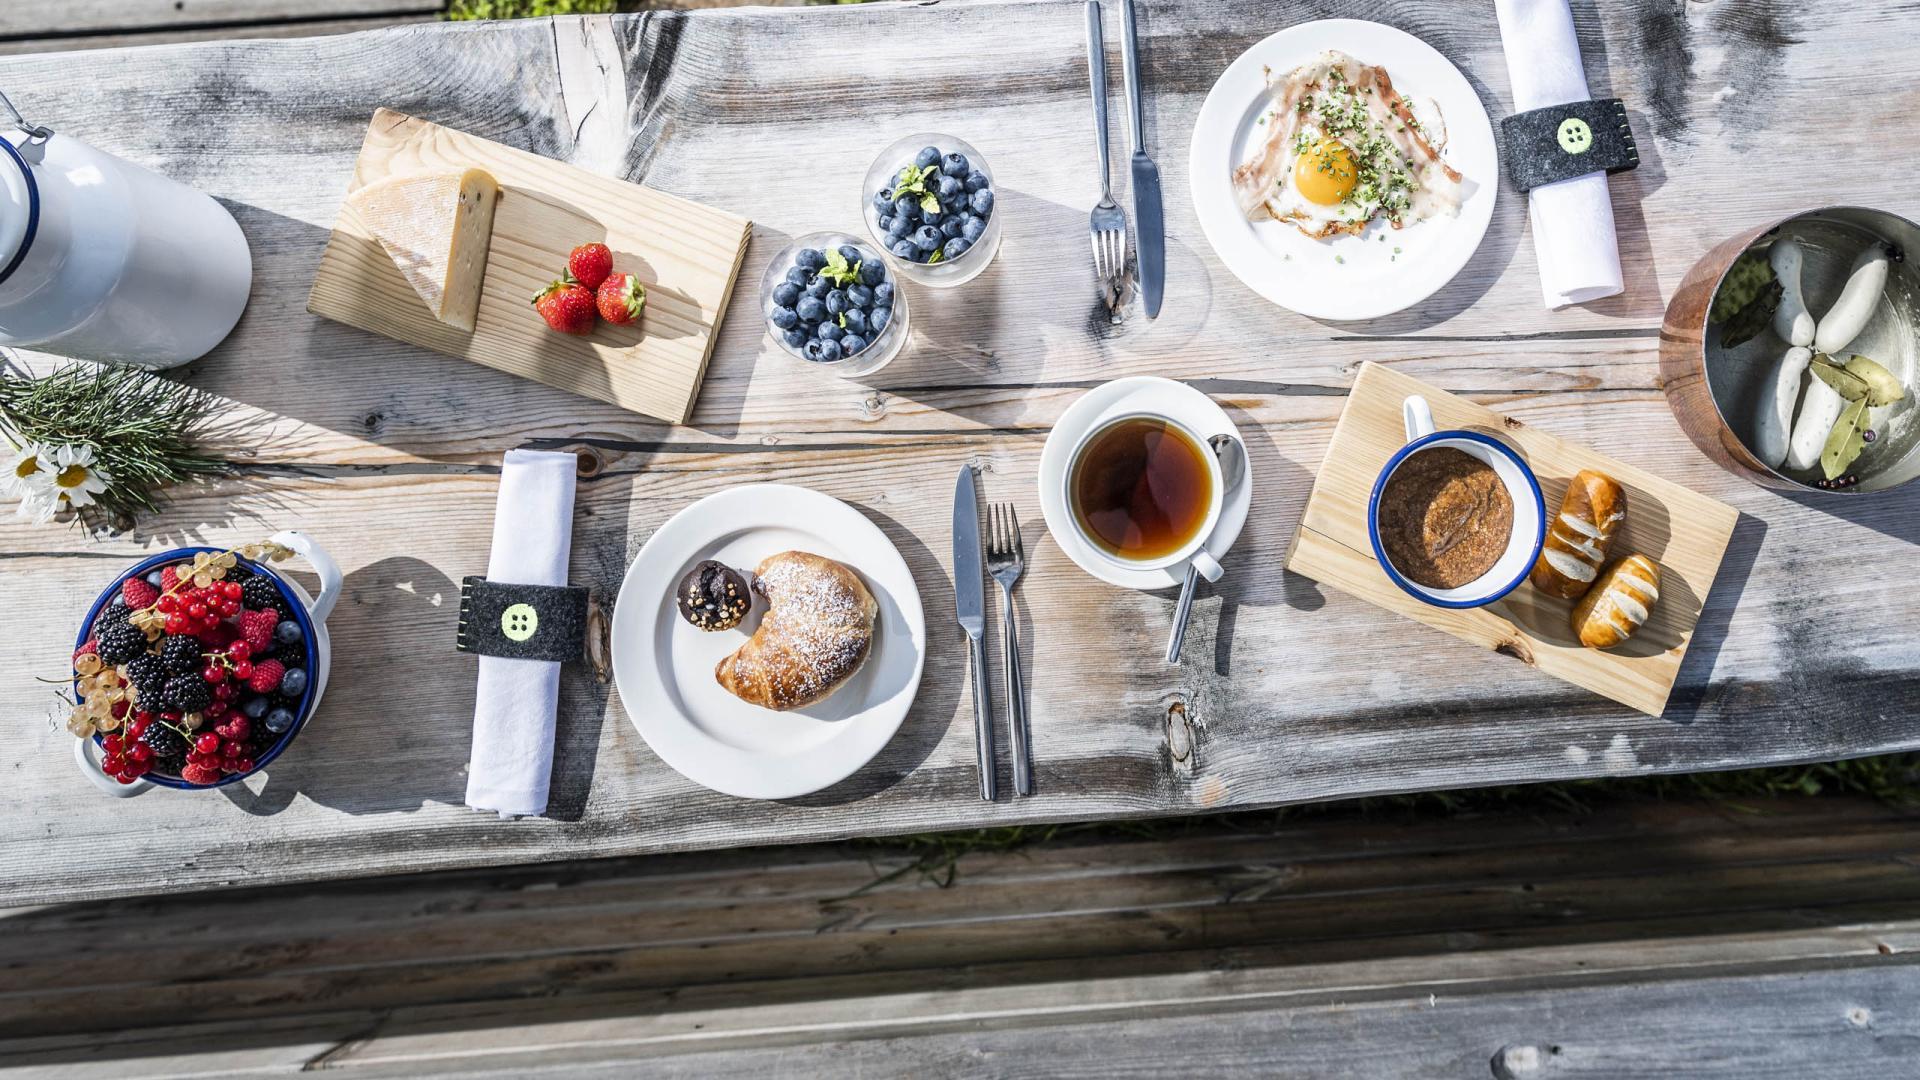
pixel 812 350
pixel 903 248
pixel 818 288
pixel 836 301
pixel 873 271
pixel 883 200
pixel 154 579
pixel 859 296
pixel 955 164
pixel 856 321
pixel 255 707
pixel 279 720
pixel 829 351
pixel 294 682
pixel 797 276
pixel 783 317
pixel 786 294
pixel 797 337
pixel 953 227
pixel 974 227
pixel 948 188
pixel 932 217
pixel 897 227
pixel 883 295
pixel 812 309
pixel 852 343
pixel 982 203
pixel 977 181
pixel 119 600
pixel 926 238
pixel 878 320
pixel 906 209
pixel 955 249
pixel 850 253
pixel 928 157
pixel 829 331
pixel 810 259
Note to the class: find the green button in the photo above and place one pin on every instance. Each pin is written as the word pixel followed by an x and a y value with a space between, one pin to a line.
pixel 1575 136
pixel 519 622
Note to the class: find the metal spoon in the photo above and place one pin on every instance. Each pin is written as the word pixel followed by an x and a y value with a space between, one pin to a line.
pixel 1232 469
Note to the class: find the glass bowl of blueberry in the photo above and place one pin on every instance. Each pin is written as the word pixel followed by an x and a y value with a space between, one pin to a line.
pixel 929 205
pixel 830 300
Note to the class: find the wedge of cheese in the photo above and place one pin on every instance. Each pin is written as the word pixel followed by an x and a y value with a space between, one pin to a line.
pixel 435 227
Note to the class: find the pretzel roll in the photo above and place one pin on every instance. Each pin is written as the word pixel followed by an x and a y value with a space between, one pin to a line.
pixel 1579 535
pixel 1619 603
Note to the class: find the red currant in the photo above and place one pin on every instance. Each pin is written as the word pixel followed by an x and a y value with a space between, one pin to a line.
pixel 223 692
pixel 230 589
pixel 196 610
pixel 112 744
pixel 229 607
pixel 114 762
pixel 176 624
pixel 139 768
pixel 208 743
pixel 215 709
pixel 240 650
pixel 243 669
pixel 120 710
pixel 232 750
pixel 167 604
pixel 141 752
pixel 212 620
pixel 213 673
pixel 245 764
pixel 170 717
pixel 137 726
pixel 126 778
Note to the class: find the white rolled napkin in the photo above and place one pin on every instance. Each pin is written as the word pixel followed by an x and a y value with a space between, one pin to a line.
pixel 512 762
pixel 1573 233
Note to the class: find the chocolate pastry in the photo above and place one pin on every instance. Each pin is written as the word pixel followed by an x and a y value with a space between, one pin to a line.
pixel 713 596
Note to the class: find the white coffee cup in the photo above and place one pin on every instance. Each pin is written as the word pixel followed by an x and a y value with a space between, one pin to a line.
pixel 1194 551
pixel 1529 510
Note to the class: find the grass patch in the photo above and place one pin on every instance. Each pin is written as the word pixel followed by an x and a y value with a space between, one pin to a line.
pixel 526 9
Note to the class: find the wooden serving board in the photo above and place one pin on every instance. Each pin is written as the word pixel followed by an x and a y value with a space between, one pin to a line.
pixel 1686 533
pixel 686 254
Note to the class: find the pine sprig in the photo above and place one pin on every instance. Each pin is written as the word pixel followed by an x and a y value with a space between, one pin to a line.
pixel 144 428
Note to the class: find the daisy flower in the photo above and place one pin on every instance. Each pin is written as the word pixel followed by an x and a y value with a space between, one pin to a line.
pixel 25 469
pixel 38 504
pixel 76 477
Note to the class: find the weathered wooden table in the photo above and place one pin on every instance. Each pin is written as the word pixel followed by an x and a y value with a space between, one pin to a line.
pixel 1288 692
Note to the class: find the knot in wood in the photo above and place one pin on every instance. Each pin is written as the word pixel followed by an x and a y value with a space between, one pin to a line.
pixel 588 463
pixel 1517 648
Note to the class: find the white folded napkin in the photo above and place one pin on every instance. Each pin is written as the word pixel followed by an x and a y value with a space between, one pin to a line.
pixel 1572 220
pixel 512 762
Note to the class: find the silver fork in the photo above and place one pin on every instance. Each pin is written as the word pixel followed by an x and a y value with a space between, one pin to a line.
pixel 1006 561
pixel 1109 222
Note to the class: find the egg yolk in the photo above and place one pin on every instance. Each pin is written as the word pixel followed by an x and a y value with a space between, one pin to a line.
pixel 1325 174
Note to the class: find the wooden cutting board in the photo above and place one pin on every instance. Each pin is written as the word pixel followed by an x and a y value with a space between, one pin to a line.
pixel 686 254
pixel 1686 533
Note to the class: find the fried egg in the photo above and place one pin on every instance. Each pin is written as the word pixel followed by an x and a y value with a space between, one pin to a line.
pixel 1343 147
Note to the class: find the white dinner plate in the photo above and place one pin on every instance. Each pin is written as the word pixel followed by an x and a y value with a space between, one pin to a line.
pixel 664 667
pixel 1347 277
pixel 1110 401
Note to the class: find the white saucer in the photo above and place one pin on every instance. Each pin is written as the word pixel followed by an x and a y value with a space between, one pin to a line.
pixel 1347 277
pixel 1144 393
pixel 664 667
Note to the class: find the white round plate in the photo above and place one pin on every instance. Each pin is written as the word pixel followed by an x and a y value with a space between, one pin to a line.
pixel 664 667
pixel 1144 393
pixel 1347 277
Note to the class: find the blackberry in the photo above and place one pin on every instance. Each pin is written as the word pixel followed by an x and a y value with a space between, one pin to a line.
pixel 120 641
pixel 260 594
pixel 147 673
pixel 181 653
pixel 166 742
pixel 186 693
pixel 291 655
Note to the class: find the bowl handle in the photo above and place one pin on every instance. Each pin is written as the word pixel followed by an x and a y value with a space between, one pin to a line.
pixel 323 565
pixel 83 751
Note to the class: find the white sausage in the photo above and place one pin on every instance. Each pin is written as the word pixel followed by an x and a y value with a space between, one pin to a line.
pixel 1791 320
pixel 1776 406
pixel 1849 314
pixel 1819 410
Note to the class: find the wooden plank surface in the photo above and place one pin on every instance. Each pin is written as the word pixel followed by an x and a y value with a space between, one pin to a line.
pixel 1684 532
pixel 1581 941
pixel 79 16
pixel 1288 691
pixel 686 255
pixel 53 40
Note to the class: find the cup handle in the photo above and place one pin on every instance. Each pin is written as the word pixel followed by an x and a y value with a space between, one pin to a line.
pixel 83 751
pixel 1419 417
pixel 1208 566
pixel 323 565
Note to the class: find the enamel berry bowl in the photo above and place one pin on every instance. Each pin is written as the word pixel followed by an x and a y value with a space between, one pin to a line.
pixel 224 684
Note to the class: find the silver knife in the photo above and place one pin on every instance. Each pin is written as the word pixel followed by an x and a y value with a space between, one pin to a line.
pixel 1150 226
pixel 970 604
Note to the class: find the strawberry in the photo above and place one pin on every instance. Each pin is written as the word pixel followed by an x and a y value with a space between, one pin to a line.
pixel 590 264
pixel 620 299
pixel 567 306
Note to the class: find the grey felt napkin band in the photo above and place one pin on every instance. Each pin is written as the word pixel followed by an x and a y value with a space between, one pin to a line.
pixel 523 622
pixel 1560 142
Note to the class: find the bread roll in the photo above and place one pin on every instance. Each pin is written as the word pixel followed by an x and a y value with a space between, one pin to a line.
pixel 816 633
pixel 1578 536
pixel 1618 604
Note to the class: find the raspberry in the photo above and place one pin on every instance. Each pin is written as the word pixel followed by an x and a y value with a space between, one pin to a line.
pixel 200 774
pixel 138 593
pixel 120 642
pixel 256 628
pixel 169 579
pixel 266 676
pixel 180 653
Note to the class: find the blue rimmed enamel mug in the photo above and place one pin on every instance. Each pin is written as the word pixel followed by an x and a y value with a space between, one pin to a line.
pixel 1529 511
